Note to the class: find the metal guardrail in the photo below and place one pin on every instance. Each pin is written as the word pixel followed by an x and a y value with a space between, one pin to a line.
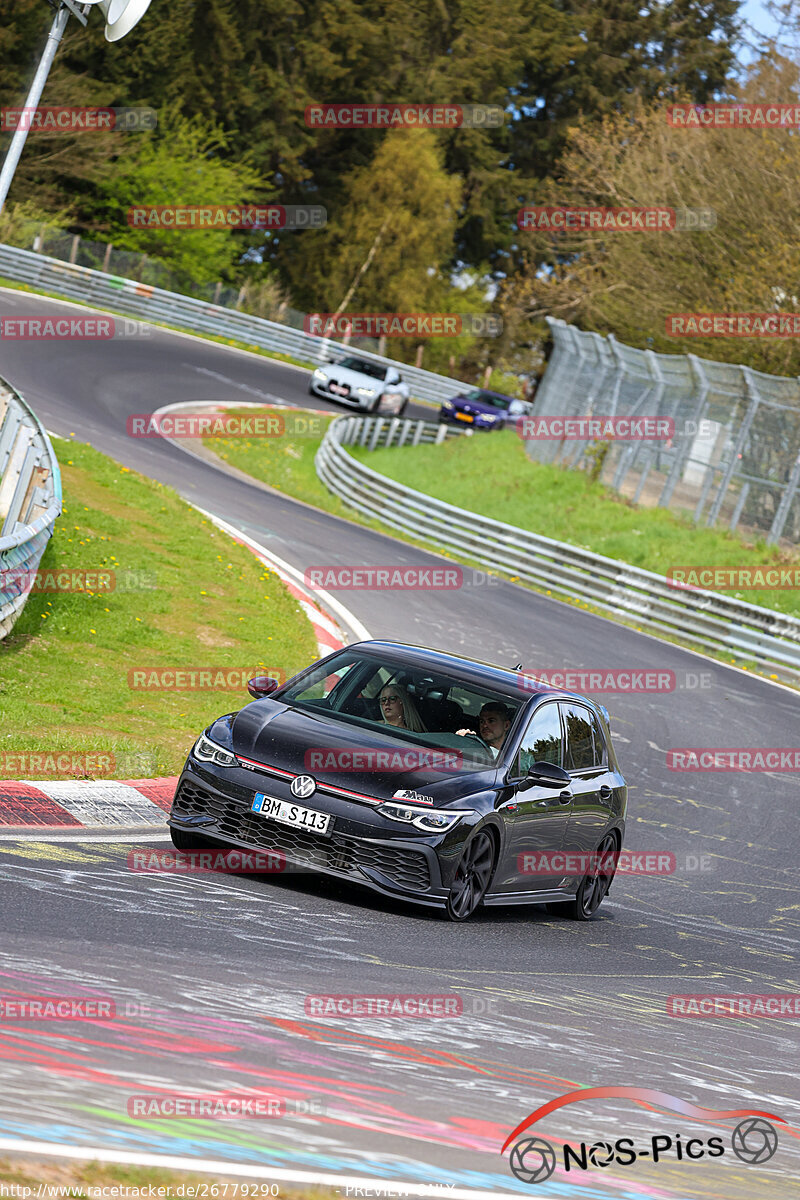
pixel 150 303
pixel 706 619
pixel 735 456
pixel 30 500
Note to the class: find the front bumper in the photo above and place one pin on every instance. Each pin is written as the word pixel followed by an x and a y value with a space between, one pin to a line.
pixel 357 850
pixel 449 418
pixel 321 389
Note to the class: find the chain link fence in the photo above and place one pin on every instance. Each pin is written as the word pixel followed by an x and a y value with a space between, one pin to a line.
pixel 735 456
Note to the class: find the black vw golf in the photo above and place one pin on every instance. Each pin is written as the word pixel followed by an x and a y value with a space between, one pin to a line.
pixel 424 776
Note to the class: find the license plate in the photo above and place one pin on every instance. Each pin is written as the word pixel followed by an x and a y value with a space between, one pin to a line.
pixel 339 389
pixel 287 813
pixel 464 417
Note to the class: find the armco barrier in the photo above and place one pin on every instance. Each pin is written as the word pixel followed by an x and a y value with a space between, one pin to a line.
pixel 704 619
pixel 154 304
pixel 30 499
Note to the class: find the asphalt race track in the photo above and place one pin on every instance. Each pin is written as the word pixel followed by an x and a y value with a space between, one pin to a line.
pixel 212 971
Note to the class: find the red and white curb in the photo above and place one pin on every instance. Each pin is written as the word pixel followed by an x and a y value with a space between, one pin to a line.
pixel 76 803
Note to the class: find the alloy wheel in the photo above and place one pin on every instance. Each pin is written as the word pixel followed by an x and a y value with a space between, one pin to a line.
pixel 471 878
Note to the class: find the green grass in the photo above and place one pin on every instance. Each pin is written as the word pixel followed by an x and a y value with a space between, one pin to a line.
pixel 285 463
pixel 491 475
pixel 199 601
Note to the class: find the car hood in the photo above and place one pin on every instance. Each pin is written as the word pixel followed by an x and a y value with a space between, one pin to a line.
pixel 302 742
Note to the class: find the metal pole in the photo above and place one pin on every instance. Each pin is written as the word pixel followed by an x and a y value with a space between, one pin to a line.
pixel 32 101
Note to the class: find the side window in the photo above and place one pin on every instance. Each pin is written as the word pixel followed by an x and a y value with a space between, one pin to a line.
pixel 541 741
pixel 585 747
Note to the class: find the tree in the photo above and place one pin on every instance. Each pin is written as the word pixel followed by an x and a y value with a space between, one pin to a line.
pixel 627 283
pixel 402 209
pixel 180 165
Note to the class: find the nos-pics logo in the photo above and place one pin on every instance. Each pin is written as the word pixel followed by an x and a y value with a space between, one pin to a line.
pixel 533 1159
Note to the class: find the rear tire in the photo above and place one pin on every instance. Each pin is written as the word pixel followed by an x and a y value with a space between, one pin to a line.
pixel 187 839
pixel 594 885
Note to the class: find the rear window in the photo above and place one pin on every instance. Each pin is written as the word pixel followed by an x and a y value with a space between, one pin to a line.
pixel 585 746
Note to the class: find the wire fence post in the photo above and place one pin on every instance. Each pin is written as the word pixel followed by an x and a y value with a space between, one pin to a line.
pixel 683 450
pixel 785 505
pixel 741 438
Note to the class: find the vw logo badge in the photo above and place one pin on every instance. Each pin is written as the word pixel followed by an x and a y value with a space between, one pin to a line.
pixel 303 786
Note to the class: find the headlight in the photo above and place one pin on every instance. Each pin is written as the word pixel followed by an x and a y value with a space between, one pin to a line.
pixel 208 751
pixel 432 822
pixel 320 374
pixel 366 391
pixel 448 404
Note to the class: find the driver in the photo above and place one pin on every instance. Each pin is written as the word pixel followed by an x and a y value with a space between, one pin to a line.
pixel 494 722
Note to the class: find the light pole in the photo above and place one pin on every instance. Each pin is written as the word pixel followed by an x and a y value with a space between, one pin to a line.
pixel 120 15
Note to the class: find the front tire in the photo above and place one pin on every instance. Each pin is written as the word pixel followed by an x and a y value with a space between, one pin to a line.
pixel 594 885
pixel 472 877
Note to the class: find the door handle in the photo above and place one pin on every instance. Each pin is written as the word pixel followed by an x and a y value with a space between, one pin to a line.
pixel 564 798
pixel 605 792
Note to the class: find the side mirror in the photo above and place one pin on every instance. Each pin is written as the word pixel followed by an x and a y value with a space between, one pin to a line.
pixel 261 686
pixel 544 774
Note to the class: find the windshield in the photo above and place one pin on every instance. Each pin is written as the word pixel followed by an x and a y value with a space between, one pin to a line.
pixel 425 709
pixel 482 397
pixel 374 370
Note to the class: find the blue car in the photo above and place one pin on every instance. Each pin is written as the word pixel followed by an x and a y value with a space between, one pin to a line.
pixel 483 409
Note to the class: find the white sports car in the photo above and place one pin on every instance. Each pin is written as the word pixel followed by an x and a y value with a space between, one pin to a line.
pixel 362 384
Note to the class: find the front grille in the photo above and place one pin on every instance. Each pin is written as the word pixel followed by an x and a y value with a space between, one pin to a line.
pixel 339 852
